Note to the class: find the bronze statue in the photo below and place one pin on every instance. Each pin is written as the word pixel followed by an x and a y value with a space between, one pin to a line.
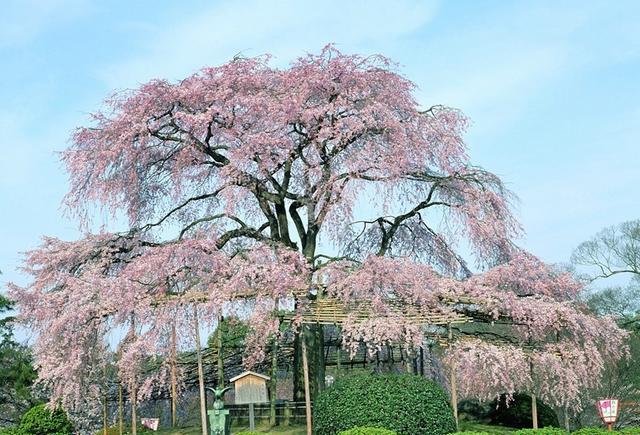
pixel 218 393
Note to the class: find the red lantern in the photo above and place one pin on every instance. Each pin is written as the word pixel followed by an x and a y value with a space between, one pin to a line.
pixel 608 411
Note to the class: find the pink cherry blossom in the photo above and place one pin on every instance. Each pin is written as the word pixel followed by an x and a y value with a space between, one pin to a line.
pixel 242 186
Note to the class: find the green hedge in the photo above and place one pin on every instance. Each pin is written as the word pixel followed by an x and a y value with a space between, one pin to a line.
pixel 556 431
pixel 39 420
pixel 602 431
pixel 408 405
pixel 543 431
pixel 366 430
pixel 591 431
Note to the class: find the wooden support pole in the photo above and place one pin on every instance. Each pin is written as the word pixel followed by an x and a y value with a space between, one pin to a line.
pixel 220 360
pixel 174 378
pixel 120 411
pixel 134 390
pixel 203 397
pixel 408 364
pixel 454 394
pixel 432 375
pixel 534 411
pixel 105 422
pixel 105 411
pixel 307 394
pixel 134 417
pixel 252 417
pixel 273 382
pixel 534 403
pixel 287 413
pixel 454 388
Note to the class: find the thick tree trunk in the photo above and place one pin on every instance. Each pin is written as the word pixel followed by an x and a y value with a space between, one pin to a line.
pixel 313 335
pixel 314 341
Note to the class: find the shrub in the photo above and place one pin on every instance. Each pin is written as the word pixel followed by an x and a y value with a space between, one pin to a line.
pixel 13 430
pixel 517 413
pixel 408 405
pixel 366 430
pixel 591 431
pixel 543 431
pixel 470 432
pixel 602 431
pixel 246 432
pixel 41 421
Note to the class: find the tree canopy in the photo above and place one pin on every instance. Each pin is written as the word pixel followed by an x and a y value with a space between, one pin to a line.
pixel 614 250
pixel 610 254
pixel 250 190
pixel 16 371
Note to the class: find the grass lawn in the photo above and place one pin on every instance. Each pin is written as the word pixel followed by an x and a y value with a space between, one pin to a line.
pixel 195 430
pixel 300 429
pixel 478 427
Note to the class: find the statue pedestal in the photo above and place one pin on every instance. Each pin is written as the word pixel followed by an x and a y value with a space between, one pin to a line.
pixel 219 422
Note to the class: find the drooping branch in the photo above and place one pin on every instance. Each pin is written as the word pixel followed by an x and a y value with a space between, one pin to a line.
pixel 389 232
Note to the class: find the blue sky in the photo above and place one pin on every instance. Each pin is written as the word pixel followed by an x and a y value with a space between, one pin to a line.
pixel 552 89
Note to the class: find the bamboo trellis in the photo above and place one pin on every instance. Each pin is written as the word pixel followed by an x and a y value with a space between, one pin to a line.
pixel 329 311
